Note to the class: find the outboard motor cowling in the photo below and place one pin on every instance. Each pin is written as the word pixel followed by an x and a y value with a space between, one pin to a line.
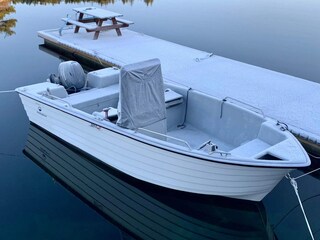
pixel 70 75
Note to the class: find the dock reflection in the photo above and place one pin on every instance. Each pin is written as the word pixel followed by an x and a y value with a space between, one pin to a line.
pixel 142 210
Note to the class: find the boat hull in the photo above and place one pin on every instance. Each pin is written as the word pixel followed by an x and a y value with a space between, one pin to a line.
pixel 142 211
pixel 151 163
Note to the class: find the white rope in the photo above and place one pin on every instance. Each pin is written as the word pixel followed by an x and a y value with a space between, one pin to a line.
pixel 303 175
pixel 8 91
pixel 313 156
pixel 96 55
pixel 10 155
pixel 295 187
pixel 64 25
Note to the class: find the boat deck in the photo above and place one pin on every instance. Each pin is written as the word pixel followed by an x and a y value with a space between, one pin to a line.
pixel 289 99
pixel 196 138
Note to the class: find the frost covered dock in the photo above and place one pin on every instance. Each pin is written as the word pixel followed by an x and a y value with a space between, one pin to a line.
pixel 291 100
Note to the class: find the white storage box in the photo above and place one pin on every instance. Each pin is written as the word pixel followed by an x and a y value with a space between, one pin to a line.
pixel 103 77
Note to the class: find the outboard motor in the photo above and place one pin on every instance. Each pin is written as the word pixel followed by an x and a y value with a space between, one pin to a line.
pixel 70 75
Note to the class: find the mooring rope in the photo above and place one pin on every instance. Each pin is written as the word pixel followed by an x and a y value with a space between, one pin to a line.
pixel 108 62
pixel 8 91
pixel 96 55
pixel 305 174
pixel 64 25
pixel 313 156
pixel 10 155
pixel 295 187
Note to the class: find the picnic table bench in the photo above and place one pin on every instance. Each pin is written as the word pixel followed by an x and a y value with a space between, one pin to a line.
pixel 95 20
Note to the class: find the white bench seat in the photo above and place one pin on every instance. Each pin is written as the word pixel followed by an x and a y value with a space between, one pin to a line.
pixel 95 99
pixel 250 148
pixel 127 22
pixel 172 98
pixel 90 27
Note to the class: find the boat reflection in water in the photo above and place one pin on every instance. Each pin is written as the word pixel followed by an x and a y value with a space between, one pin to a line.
pixel 140 209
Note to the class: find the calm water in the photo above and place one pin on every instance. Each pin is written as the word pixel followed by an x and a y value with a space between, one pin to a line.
pixel 36 202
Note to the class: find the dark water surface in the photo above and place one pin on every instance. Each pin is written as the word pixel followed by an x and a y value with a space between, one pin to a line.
pixel 44 196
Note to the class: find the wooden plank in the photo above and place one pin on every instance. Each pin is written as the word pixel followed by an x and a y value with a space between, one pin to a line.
pixel 96 34
pixel 114 21
pixel 79 24
pixel 76 30
pixel 121 20
pixel 106 27
pixel 97 12
pixel 88 20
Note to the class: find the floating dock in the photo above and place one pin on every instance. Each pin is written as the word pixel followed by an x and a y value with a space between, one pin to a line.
pixel 290 100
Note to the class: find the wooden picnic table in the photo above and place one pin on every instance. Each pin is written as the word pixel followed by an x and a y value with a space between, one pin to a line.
pixel 89 15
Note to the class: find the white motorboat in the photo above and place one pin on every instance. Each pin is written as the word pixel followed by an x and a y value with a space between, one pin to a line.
pixel 164 133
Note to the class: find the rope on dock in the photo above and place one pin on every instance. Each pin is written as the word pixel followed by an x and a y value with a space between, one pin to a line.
pixel 295 187
pixel 204 58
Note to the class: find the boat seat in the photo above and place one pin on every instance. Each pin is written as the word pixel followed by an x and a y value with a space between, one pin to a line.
pixel 95 99
pixel 172 98
pixel 250 148
pixel 57 91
